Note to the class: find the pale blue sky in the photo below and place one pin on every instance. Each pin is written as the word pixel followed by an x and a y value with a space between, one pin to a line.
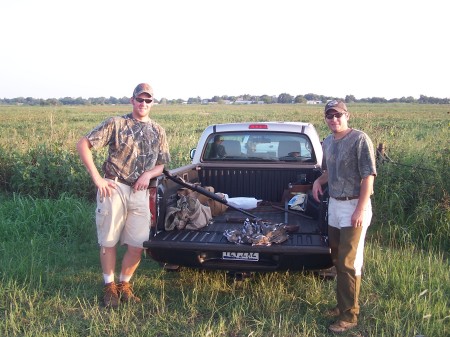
pixel 92 48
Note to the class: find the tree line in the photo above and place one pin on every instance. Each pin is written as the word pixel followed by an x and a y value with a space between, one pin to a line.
pixel 283 98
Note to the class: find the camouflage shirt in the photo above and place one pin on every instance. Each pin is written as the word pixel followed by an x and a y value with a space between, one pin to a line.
pixel 348 161
pixel 134 146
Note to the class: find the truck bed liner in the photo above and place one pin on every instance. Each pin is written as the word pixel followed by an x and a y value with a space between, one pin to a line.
pixel 307 235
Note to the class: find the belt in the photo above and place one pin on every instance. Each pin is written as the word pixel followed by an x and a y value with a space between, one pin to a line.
pixel 119 180
pixel 347 198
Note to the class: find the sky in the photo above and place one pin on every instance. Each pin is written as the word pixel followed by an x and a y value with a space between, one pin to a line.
pixel 206 48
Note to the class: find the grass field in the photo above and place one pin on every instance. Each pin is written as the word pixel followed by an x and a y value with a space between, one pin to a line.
pixel 50 279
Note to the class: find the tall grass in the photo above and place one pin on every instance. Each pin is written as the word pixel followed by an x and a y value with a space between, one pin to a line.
pixel 51 287
pixel 49 271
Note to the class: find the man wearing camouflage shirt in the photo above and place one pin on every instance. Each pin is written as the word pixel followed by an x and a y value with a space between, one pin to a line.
pixel 137 152
pixel 349 169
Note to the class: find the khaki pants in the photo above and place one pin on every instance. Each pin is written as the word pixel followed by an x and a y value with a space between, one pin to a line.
pixel 344 245
pixel 347 251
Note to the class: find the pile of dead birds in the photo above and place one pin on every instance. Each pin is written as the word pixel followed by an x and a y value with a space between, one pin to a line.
pixel 257 233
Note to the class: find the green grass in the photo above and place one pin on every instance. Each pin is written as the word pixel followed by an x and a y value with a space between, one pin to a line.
pixel 49 270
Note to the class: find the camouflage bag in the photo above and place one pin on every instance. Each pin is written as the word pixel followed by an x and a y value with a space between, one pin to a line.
pixel 189 212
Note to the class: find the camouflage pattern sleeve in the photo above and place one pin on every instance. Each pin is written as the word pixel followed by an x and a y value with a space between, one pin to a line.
pixel 101 135
pixel 366 155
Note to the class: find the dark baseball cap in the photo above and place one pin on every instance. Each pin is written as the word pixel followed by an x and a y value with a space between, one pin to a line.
pixel 338 106
pixel 143 88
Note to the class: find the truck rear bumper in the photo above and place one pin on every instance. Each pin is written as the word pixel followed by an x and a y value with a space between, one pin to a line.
pixel 211 250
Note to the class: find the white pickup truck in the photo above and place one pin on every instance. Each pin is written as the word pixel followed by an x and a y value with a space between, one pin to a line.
pixel 267 161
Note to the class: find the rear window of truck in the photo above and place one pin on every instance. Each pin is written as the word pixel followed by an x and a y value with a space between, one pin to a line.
pixel 259 146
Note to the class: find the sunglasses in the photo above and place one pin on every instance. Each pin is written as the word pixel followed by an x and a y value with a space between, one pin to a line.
pixel 146 100
pixel 337 115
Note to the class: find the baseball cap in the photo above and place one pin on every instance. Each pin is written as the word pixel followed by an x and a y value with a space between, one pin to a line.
pixel 338 106
pixel 143 88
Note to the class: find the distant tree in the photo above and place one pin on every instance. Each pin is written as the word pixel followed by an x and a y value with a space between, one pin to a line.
pixel 299 99
pixel 194 100
pixel 30 101
pixel 378 100
pixel 266 99
pixel 100 100
pixel 282 98
pixel 285 98
pixel 423 99
pixel 112 100
pixel 52 101
pixel 408 99
pixel 229 98
pixel 66 100
pixel 433 100
pixel 312 97
pixel 124 100
pixel 350 99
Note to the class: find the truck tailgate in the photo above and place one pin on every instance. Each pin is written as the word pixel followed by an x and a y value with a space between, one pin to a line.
pixel 209 248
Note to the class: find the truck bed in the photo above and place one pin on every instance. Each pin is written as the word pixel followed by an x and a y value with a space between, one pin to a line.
pixel 205 248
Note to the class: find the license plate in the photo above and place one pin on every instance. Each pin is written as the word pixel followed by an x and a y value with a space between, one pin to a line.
pixel 240 256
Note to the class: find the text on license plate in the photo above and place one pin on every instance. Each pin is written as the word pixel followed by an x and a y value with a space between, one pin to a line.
pixel 240 256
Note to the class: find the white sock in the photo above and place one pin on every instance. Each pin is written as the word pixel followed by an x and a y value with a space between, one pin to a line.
pixel 125 278
pixel 108 278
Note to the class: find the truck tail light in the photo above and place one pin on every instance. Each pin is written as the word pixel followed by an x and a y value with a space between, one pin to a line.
pixel 152 206
pixel 258 126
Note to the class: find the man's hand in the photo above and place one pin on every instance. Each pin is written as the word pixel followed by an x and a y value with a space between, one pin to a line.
pixel 317 185
pixel 317 190
pixel 105 187
pixel 357 218
pixel 143 182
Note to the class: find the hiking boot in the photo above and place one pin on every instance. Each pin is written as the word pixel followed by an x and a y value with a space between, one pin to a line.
pixel 334 312
pixel 126 293
pixel 111 295
pixel 341 326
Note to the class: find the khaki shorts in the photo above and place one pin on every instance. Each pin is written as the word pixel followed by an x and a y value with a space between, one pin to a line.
pixel 340 213
pixel 124 216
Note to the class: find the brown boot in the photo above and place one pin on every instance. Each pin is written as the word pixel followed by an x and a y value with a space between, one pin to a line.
pixel 333 312
pixel 126 293
pixel 111 295
pixel 341 326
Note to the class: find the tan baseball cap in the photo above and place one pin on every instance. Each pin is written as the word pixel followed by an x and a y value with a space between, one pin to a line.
pixel 335 105
pixel 143 88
